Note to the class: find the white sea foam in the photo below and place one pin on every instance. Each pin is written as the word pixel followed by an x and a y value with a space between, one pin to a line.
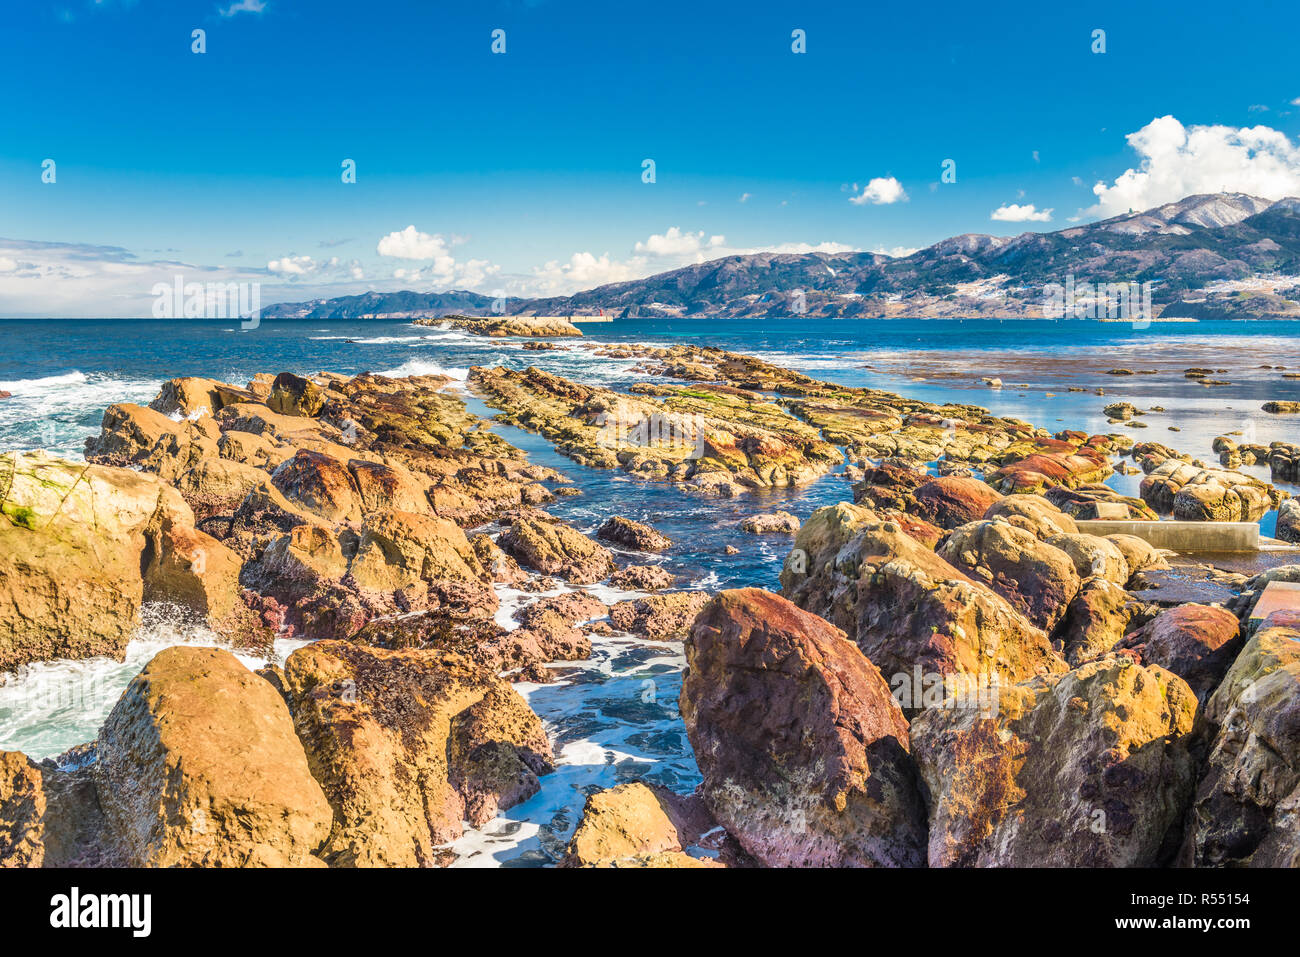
pixel 426 367
pixel 48 707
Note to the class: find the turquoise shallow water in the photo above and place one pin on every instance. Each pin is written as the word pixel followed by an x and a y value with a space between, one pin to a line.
pixel 615 716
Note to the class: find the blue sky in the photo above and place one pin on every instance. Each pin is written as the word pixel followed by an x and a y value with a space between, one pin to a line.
pixel 523 171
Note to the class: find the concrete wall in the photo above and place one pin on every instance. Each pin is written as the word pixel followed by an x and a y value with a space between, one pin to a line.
pixel 1183 536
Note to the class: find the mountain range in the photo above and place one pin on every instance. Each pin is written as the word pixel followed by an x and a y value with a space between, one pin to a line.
pixel 1225 255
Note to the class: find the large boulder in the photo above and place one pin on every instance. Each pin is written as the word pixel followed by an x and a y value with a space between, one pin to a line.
pixel 1193 493
pixel 632 534
pixel 802 747
pixel 397 549
pixel 1037 578
pixel 1087 769
pixel 320 484
pixel 950 500
pixel 1095 621
pixel 1288 520
pixel 1094 556
pixel 408 745
pixel 294 395
pixel 71 538
pixel 1195 642
pixel 1247 808
pixel 659 617
pixel 388 487
pixel 554 548
pixel 909 610
pixel 198 765
pixel 638 825
pixel 1034 514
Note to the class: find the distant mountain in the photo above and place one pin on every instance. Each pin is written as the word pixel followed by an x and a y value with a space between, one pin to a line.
pixel 383 305
pixel 1225 255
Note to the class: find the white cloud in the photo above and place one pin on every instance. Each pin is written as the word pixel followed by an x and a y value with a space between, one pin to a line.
pixel 897 251
pixel 243 6
pixel 675 244
pixel 658 253
pixel 1015 213
pixel 1178 161
pixel 745 197
pixel 881 191
pixel 410 243
pixel 292 266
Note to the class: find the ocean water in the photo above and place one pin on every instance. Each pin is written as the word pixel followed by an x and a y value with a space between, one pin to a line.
pixel 614 717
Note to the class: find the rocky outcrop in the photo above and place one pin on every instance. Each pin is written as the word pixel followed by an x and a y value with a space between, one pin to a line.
pixel 1248 799
pixel 1038 579
pixel 1195 642
pixel 802 748
pixel 1093 555
pixel 1096 620
pixel 718 442
pixel 1087 769
pixel 643 578
pixel 407 745
pixel 659 617
pixel 634 535
pixel 775 523
pixel 554 548
pixel 1034 514
pixel 950 501
pixel 1192 493
pixel 71 541
pixel 639 825
pixel 909 610
pixel 198 765
pixel 498 326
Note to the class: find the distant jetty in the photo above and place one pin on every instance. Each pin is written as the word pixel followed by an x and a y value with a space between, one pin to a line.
pixel 535 327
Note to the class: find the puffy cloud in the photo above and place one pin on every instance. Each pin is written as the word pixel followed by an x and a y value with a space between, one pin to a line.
pixel 1015 213
pixel 292 266
pixel 1178 161
pixel 897 252
pixel 442 267
pixel 880 191
pixel 410 243
pixel 657 253
pixel 675 244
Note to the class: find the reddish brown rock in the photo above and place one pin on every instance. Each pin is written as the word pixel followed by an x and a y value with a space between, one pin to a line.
pixel 802 748
pixel 320 484
pixel 198 765
pixel 22 811
pixel 1196 642
pixel 951 501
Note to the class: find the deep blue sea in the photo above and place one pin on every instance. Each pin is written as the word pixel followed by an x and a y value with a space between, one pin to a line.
pixel 605 725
